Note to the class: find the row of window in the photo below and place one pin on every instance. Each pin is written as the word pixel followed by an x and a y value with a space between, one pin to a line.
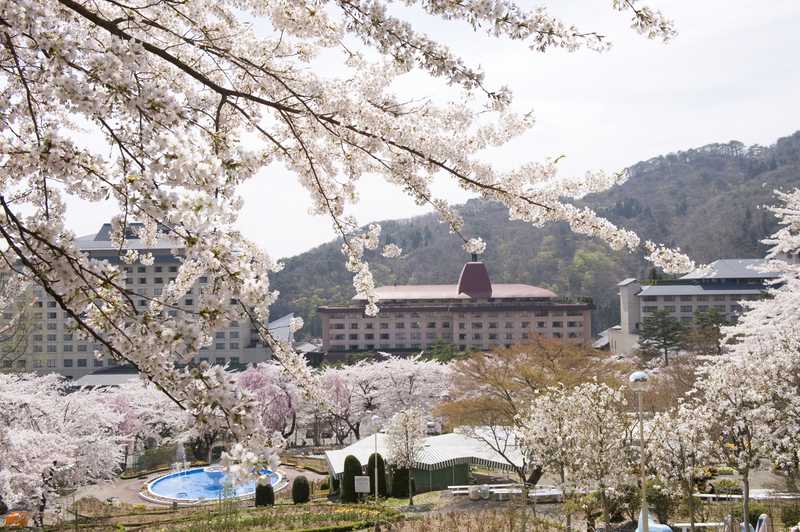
pixel 477 343
pixel 38 363
pixel 716 297
pixel 689 308
pixel 536 313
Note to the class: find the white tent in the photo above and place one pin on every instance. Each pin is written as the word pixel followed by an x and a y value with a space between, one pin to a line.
pixel 438 452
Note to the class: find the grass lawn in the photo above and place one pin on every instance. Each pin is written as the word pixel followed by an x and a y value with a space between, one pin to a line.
pixel 432 497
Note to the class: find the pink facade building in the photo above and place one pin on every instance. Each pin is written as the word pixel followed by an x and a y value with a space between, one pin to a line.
pixel 472 314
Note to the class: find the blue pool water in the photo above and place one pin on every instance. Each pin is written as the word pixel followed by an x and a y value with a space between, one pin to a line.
pixel 195 484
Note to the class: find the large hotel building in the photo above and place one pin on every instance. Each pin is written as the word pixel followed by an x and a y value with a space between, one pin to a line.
pixel 472 314
pixel 53 347
pixel 721 287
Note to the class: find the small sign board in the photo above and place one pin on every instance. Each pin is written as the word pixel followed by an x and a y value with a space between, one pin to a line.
pixel 362 484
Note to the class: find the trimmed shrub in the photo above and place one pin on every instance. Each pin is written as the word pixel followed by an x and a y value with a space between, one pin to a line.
pixel 335 485
pixel 265 495
pixel 352 469
pixel 381 475
pixel 400 483
pixel 727 486
pixel 301 492
pixel 755 510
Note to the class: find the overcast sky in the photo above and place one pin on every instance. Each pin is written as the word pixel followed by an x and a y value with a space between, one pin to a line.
pixel 731 73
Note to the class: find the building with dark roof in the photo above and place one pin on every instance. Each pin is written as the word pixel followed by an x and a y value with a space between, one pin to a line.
pixel 720 286
pixel 53 345
pixel 473 313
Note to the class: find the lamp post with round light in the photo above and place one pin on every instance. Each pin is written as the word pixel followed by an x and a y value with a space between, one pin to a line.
pixel 638 382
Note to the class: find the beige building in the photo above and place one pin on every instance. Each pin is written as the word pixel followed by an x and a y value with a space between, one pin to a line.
pixel 52 346
pixel 722 286
pixel 475 313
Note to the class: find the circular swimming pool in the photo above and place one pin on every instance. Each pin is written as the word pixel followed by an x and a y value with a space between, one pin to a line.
pixel 203 483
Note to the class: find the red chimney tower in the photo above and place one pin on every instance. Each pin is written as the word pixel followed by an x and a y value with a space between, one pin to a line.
pixel 474 280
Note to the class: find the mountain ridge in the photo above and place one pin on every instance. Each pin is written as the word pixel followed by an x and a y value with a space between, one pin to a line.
pixel 706 200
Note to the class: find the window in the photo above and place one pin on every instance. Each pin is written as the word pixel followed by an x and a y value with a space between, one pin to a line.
pixel 509 325
pixel 493 325
pixel 650 298
pixel 354 325
pixel 353 337
pixel 234 334
pixel 649 308
pixel 384 336
pixel 128 280
pixel 203 280
pixel 415 325
pixel 431 325
pixel 353 348
pixel 399 325
pixel 37 349
pixel 158 269
pixel 67 362
pixel 234 345
pixel 21 363
pixel 556 335
pixel 51 349
pixel 686 308
pixel 493 336
pixel 573 324
pixel 142 280
pixel 219 361
pixel 173 269
pixel 369 336
pixel 81 362
pixel 338 326
pixel 219 347
pixel 234 361
pixel 573 335
pixel 525 336
pixel 141 269
pixel 462 336
pixel 37 363
pixel 220 334
pixel 445 325
pixel 68 348
pixel 430 335
pixel 51 304
pixel 702 308
pixel 669 298
pixel 158 280
pixel 51 315
pixel 686 298
pixel 509 336
pixel 82 348
pixel 540 324
pixel 558 324
pixel 98 363
pixel 37 338
pixel 702 298
pixel 525 324
pixel 157 291
pixel 384 325
pixel 719 298
pixel 476 336
pixel 368 325
pixel 51 362
pixel 477 325
pixel 670 308
pixel 462 325
pixel 338 337
pixel 721 308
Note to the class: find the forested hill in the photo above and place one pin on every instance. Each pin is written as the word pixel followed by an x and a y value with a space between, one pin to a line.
pixel 707 201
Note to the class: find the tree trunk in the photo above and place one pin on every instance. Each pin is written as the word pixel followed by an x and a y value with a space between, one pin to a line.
pixel 563 478
pixel 746 499
pixel 410 490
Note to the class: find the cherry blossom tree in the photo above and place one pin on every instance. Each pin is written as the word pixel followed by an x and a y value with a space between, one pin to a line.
pixel 405 435
pixel 146 414
pixel 601 435
pixel 545 431
pixel 679 445
pixel 164 108
pixel 277 395
pixel 410 382
pixel 51 440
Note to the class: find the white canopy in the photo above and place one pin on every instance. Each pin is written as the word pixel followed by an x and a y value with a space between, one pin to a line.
pixel 438 452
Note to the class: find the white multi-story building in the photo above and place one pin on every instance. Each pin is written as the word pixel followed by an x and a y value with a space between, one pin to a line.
pixel 53 347
pixel 473 314
pixel 721 286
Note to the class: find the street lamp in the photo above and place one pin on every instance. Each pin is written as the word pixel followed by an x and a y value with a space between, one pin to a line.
pixel 638 381
pixel 376 419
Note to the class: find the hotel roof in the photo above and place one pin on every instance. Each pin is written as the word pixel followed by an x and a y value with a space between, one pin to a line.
pixel 450 291
pixel 733 269
pixel 699 289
